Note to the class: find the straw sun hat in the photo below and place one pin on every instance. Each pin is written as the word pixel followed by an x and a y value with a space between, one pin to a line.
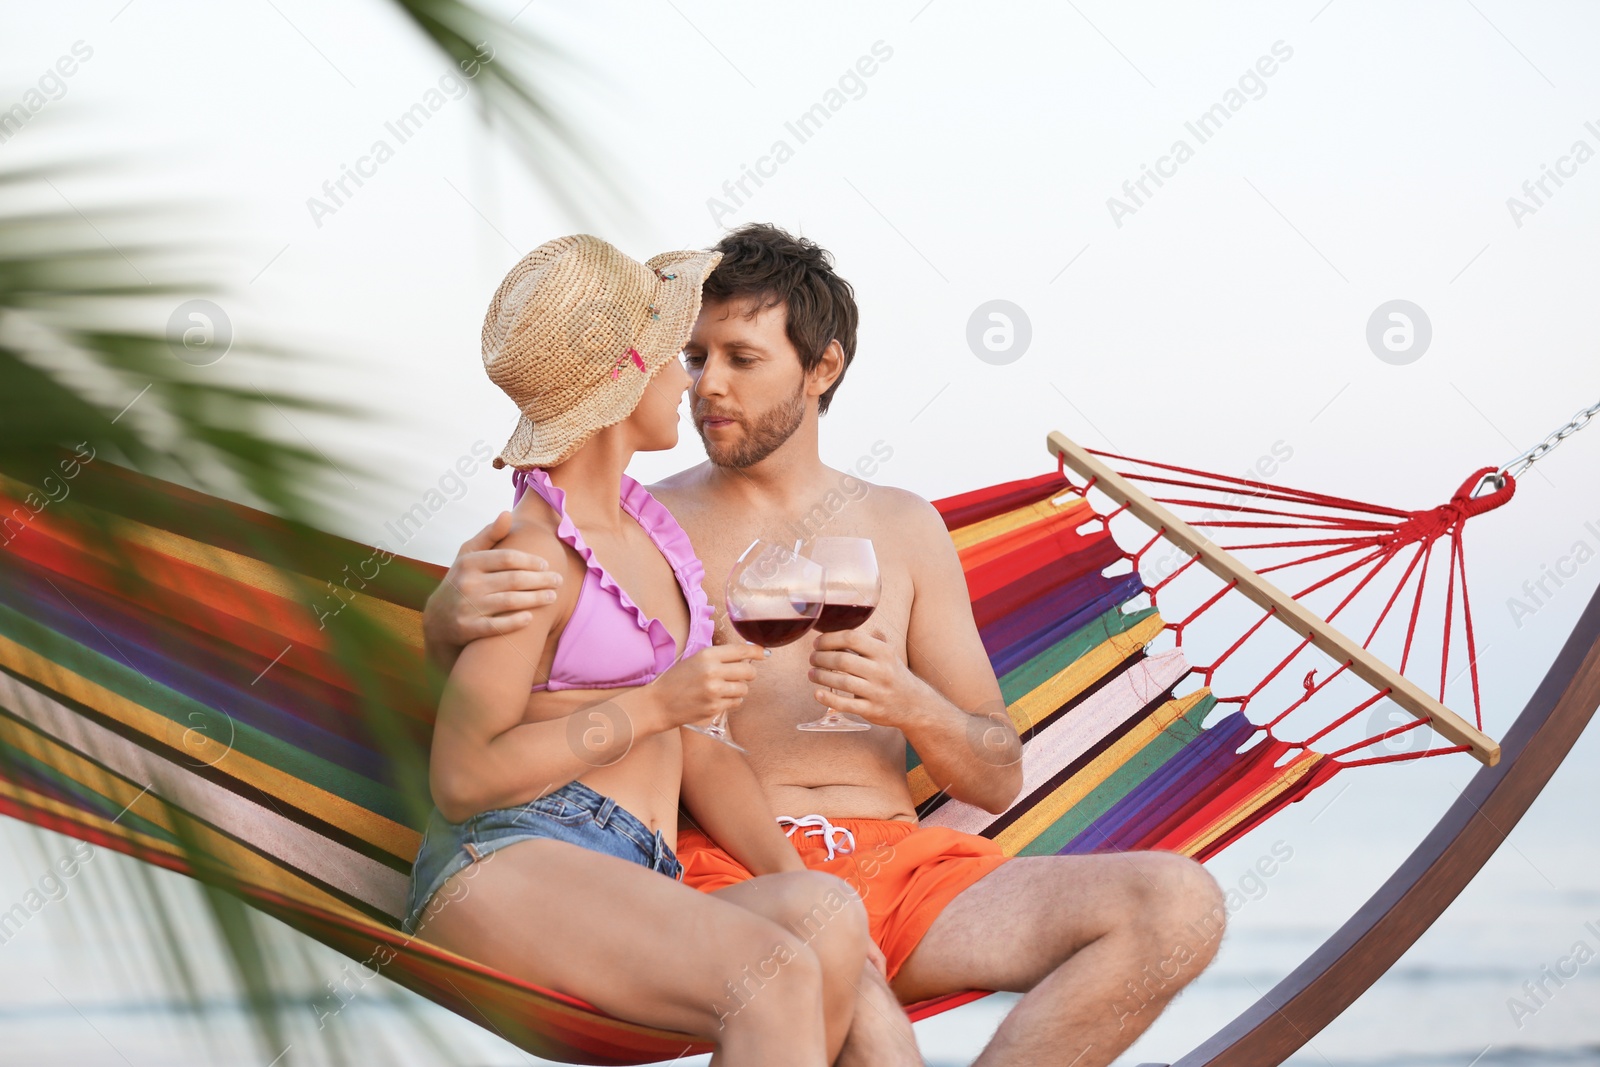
pixel 574 334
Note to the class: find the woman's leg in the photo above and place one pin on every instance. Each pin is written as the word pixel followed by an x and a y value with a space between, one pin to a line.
pixel 637 945
pixel 826 914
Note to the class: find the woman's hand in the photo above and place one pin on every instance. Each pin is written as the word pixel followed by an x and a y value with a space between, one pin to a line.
pixel 711 681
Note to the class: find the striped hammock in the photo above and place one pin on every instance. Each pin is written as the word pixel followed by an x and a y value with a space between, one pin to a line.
pixel 220 692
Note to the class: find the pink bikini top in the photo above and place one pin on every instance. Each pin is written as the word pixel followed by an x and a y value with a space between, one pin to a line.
pixel 608 642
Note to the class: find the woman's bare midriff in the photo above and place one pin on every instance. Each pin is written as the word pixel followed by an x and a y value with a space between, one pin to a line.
pixel 645 781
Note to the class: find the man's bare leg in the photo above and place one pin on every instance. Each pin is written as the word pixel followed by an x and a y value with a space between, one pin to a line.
pixel 1099 945
pixel 880 1034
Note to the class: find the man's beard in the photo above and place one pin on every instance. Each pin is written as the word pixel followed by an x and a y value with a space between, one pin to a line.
pixel 762 437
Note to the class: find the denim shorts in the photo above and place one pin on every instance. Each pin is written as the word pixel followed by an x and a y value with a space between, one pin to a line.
pixel 574 813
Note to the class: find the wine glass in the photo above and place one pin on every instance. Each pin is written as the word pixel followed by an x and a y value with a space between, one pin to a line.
pixel 774 595
pixel 850 591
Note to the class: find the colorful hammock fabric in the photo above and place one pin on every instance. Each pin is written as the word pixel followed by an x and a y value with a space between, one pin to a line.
pixel 176 682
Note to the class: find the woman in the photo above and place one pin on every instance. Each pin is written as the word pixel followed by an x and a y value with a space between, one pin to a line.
pixel 557 755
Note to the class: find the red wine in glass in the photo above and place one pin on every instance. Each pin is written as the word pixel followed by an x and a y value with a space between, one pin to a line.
pixel 774 595
pixel 851 588
pixel 844 616
pixel 773 633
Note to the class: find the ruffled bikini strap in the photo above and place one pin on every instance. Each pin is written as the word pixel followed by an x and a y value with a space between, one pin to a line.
pixel 662 528
pixel 539 480
pixel 673 541
pixel 519 486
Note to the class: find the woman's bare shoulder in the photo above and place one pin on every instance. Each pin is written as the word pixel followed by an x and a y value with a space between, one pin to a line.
pixel 533 528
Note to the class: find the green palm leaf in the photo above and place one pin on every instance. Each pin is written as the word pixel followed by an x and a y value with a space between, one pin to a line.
pixel 88 357
pixel 516 87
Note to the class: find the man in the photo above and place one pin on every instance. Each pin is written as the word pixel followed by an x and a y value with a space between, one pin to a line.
pixel 1098 944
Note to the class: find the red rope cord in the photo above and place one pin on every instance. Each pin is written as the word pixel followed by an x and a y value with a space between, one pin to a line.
pixel 1246 510
pixel 1372 534
pixel 1398 589
pixel 1399 756
pixel 1355 542
pixel 1472 649
pixel 1311 559
pixel 1304 494
pixel 1208 671
pixel 1228 525
pixel 1416 605
pixel 1449 613
pixel 1352 713
pixel 1336 575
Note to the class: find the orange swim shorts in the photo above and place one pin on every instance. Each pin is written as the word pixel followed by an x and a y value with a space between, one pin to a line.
pixel 906 874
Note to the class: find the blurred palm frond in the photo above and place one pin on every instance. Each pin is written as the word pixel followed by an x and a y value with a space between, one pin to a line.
pixel 517 71
pixel 83 361
pixel 94 350
pixel 87 360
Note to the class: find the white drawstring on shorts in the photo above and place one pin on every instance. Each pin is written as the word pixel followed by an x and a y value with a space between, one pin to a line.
pixel 821 826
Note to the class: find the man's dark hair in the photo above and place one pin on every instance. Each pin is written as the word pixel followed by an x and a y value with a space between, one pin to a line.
pixel 769 266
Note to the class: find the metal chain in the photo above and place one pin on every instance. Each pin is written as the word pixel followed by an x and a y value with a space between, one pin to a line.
pixel 1543 448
